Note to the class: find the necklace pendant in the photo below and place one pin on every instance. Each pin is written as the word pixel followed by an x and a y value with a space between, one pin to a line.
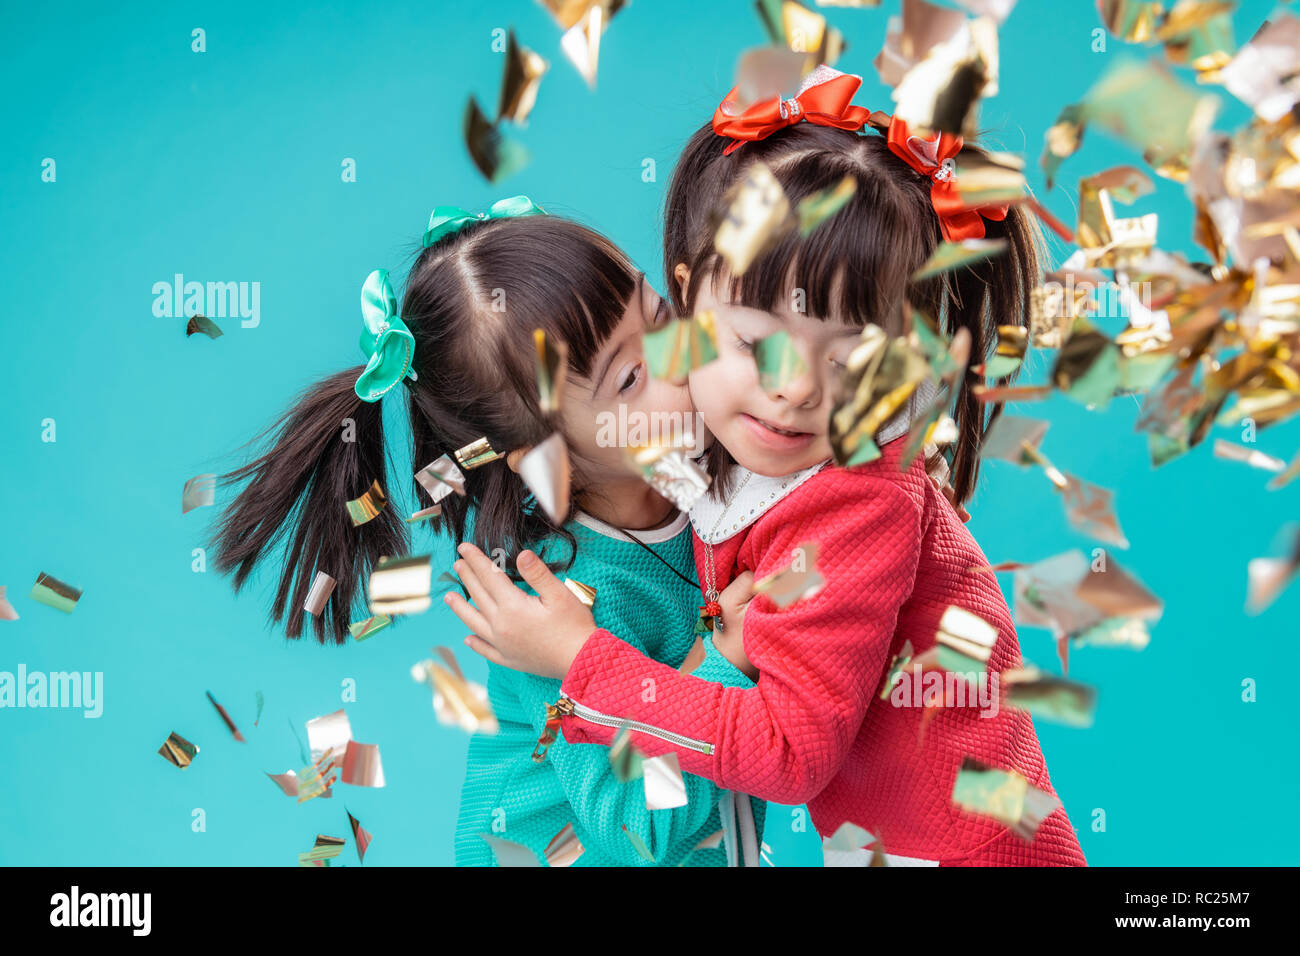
pixel 710 613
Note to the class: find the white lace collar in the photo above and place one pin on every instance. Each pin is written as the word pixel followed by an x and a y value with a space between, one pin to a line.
pixel 715 521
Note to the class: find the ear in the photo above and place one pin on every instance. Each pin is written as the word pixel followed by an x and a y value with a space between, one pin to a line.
pixel 682 273
pixel 513 458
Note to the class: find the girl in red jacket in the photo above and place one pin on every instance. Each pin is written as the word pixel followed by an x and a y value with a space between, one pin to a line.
pixel 825 724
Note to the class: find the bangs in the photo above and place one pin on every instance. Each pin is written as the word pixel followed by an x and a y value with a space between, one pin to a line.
pixel 851 267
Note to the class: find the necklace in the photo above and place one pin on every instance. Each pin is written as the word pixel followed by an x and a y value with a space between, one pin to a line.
pixel 711 610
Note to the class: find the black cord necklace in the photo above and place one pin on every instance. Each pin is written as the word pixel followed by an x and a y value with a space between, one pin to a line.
pixel 694 584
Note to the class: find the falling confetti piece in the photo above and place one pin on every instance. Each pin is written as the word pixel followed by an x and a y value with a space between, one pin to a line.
pixel 671 472
pixel 1050 698
pixel 564 848
pixel 625 760
pixel 948 256
pixel 583 592
pixel 639 845
pixel 476 454
pixel 362 766
pixel 360 836
pixel 664 787
pixel 496 156
pixel 322 586
pixel 201 323
pixel 456 701
pixel 230 724
pixel 523 78
pixel 287 782
pixel 401 585
pixel 545 470
pixel 198 493
pixel 361 630
pixel 329 732
pixel 673 352
pixel 52 592
pixel 814 210
pixel 552 369
pixel 177 750
pixel 758 213
pixel 368 506
pixel 440 478
pixel 778 362
pixel 7 612
pixel 326 849
pixel 260 701
pixel 1007 797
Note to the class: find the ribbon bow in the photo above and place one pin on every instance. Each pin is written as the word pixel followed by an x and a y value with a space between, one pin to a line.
pixel 823 99
pixel 448 219
pixel 386 341
pixel 935 158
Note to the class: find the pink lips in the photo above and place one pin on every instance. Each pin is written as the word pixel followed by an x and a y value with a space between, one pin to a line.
pixel 775 439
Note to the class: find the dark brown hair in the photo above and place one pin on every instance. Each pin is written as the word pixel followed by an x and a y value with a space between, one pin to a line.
pixel 857 265
pixel 472 301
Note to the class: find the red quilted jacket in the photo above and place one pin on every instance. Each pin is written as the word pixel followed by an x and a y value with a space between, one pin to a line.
pixel 813 730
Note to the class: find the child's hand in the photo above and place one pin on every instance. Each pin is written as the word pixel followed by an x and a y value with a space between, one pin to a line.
pixel 538 635
pixel 728 639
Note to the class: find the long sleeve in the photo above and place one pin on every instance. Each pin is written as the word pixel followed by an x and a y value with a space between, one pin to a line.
pixel 820 660
pixel 602 805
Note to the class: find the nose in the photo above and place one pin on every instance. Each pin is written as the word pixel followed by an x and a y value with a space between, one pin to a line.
pixel 804 390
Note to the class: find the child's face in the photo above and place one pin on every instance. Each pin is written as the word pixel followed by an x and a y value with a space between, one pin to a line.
pixel 619 404
pixel 775 433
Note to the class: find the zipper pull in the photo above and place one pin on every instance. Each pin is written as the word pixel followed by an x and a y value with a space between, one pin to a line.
pixel 561 708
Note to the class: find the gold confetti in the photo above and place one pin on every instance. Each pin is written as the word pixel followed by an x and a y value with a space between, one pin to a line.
pixel 457 702
pixel 795 26
pixel 545 470
pixel 1263 73
pixel 948 256
pixel 552 370
pixel 476 454
pixel 583 592
pixel 177 750
pixel 365 508
pixel 1266 578
pixel 1090 511
pixel 758 212
pixel 583 21
pixel 814 210
pixel 523 77
pixel 682 345
pixel 496 156
pixel 564 848
pixel 1250 456
pixel 670 472
pixel 401 585
pixel 198 492
pixel 1007 797
pixel 1050 698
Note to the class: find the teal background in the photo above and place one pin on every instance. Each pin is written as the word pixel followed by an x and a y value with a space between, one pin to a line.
pixel 225 166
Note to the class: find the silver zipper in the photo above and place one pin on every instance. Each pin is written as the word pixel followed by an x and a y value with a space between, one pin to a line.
pixel 567 705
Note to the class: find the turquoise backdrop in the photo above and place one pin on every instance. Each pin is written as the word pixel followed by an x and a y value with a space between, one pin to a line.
pixel 226 165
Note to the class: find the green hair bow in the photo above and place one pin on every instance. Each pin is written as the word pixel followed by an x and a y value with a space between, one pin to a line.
pixel 448 219
pixel 386 341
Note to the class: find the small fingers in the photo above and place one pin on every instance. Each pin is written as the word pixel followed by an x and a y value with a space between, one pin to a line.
pixel 468 613
pixel 484 649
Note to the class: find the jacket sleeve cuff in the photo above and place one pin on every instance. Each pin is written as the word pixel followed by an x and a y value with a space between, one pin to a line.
pixel 599 656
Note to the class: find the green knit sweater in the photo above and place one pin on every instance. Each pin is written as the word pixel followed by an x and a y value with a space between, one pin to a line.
pixel 509 796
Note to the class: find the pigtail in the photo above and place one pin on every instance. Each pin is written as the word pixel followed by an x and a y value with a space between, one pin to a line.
pixel 328 450
pixel 995 292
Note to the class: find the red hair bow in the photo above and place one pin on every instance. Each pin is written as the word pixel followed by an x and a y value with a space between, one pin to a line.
pixel 823 98
pixel 934 158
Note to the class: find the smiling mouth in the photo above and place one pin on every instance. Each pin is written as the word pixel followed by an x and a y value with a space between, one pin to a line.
pixel 788 432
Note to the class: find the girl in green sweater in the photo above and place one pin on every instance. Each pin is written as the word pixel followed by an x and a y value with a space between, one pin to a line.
pixel 463 345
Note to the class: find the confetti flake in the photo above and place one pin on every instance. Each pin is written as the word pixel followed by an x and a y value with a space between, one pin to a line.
pixel 758 213
pixel 495 155
pixel 664 787
pixel 794 583
pixel 552 369
pixel 177 750
pixel 225 717
pixel 362 766
pixel 52 592
pixel 564 848
pixel 545 470
pixel 361 630
pixel 329 732
pixel 510 854
pixel 7 612
pixel 1007 797
pixel 368 506
pixel 360 836
pixel 322 586
pixel 198 492
pixel 201 323
pixel 401 585
pixel 523 78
